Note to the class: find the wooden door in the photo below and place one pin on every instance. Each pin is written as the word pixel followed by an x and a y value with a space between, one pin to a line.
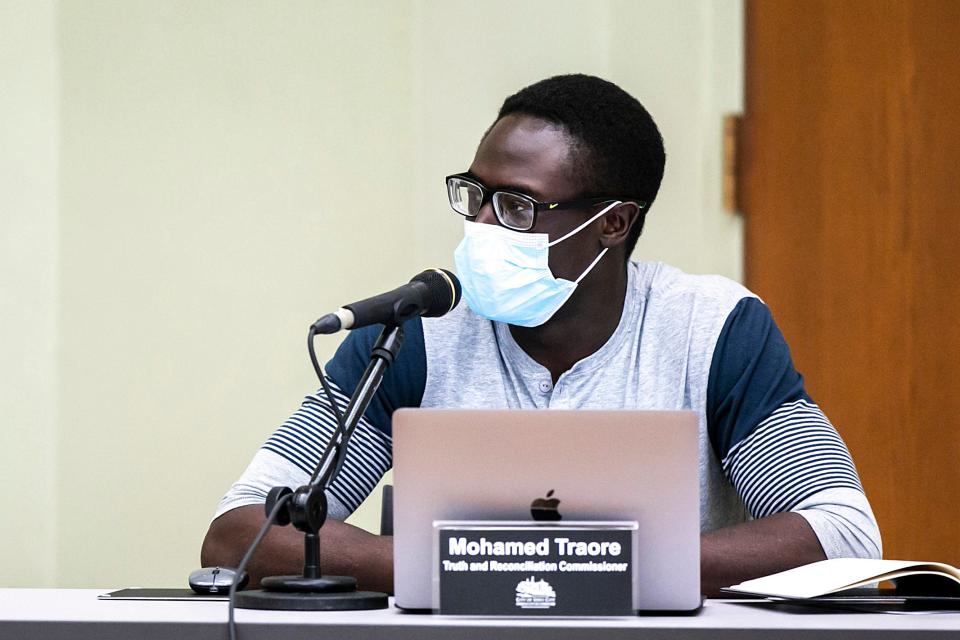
pixel 850 186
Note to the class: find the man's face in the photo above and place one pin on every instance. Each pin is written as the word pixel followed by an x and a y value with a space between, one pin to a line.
pixel 532 156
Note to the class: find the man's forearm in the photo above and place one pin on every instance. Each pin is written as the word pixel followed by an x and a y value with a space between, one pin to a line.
pixel 731 555
pixel 727 556
pixel 344 549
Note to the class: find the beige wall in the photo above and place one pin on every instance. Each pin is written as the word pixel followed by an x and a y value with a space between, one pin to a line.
pixel 29 516
pixel 198 181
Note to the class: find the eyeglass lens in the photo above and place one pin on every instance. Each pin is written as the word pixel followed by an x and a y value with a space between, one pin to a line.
pixel 465 197
pixel 512 211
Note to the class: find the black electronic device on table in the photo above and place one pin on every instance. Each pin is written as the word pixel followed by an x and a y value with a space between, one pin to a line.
pixel 138 593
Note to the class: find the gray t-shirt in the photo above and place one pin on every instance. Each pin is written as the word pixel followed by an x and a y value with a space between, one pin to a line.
pixel 702 343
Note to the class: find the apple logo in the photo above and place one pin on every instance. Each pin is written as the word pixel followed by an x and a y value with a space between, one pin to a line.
pixel 545 508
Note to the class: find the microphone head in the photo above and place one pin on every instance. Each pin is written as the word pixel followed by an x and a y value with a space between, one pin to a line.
pixel 443 291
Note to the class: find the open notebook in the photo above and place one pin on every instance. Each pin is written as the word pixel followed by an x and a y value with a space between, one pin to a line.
pixel 920 585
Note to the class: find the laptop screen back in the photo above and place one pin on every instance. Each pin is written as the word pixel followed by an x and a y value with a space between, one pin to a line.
pixel 600 465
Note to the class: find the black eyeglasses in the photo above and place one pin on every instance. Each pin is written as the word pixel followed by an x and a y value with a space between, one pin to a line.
pixel 514 210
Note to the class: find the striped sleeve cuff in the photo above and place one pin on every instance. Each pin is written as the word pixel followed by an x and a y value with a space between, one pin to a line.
pixel 266 471
pixel 844 523
pixel 792 455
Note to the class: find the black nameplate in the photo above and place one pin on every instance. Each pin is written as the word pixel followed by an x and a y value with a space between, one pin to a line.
pixel 536 571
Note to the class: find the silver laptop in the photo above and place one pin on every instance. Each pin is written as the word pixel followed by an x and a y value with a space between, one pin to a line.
pixel 601 465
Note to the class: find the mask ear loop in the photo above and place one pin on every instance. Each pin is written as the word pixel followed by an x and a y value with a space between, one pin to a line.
pixel 601 254
pixel 578 229
pixel 592 264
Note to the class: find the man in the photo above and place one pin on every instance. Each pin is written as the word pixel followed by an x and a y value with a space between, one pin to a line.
pixel 558 316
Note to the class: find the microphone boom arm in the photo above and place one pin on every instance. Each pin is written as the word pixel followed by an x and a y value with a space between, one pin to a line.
pixel 382 355
pixel 431 293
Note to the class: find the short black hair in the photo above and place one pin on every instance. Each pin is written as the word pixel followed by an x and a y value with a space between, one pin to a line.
pixel 616 146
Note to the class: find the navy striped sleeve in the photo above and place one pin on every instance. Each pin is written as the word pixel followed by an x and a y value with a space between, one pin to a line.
pixel 404 381
pixel 305 435
pixel 775 445
pixel 791 456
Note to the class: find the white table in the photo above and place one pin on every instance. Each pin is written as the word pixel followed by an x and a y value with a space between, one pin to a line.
pixel 76 614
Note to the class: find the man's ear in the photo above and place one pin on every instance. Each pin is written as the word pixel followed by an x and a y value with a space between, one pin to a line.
pixel 617 224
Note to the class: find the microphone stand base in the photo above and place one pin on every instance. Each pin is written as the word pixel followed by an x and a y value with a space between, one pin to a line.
pixel 307 601
pixel 323 584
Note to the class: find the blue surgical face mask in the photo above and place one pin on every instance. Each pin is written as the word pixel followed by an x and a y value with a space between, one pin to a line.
pixel 506 274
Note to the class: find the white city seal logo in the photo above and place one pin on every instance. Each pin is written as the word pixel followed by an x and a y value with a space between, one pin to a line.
pixel 535 594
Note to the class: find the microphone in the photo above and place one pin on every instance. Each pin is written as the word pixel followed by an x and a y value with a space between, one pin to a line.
pixel 431 293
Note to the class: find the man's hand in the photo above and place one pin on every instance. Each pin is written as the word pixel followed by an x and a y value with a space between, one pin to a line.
pixel 344 549
pixel 753 549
